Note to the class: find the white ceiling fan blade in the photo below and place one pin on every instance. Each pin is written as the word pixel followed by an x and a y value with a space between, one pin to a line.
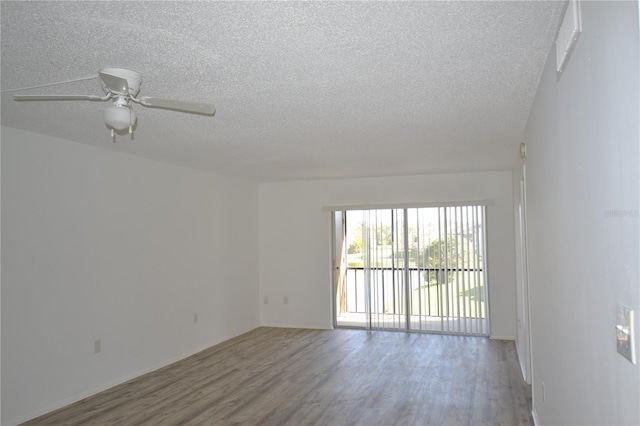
pixel 60 98
pixel 185 106
pixel 114 83
pixel 39 86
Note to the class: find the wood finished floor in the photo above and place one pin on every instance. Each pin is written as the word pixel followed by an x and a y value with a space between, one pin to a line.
pixel 275 376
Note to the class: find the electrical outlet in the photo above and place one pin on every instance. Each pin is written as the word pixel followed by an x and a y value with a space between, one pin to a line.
pixel 97 346
pixel 286 300
pixel 195 318
pixel 265 300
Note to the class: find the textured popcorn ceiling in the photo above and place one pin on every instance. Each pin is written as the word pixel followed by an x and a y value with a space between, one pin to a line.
pixel 303 89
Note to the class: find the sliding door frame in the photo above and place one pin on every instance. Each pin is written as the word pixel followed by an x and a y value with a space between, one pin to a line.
pixel 485 328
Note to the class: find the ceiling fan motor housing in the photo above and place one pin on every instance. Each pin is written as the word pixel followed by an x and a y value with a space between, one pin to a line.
pixel 133 80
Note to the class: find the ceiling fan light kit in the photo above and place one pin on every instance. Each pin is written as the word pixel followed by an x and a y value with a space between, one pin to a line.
pixel 122 86
pixel 120 117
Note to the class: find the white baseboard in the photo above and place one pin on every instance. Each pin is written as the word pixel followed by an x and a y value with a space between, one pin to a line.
pixel 535 417
pixel 523 368
pixel 310 326
pixel 492 337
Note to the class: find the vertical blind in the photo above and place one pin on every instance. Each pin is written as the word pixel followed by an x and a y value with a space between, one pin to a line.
pixel 416 269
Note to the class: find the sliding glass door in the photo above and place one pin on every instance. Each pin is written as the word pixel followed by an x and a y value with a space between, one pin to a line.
pixel 419 269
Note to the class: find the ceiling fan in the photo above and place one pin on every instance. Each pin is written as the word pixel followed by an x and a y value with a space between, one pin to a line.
pixel 121 86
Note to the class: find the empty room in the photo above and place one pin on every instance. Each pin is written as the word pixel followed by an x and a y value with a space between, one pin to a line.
pixel 320 213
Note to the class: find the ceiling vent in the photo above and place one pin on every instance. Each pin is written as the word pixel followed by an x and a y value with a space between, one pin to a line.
pixel 568 34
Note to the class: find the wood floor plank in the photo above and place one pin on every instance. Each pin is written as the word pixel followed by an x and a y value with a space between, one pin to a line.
pixel 275 376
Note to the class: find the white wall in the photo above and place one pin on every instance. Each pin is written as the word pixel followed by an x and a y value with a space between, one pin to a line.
pixel 295 240
pixel 102 245
pixel 582 163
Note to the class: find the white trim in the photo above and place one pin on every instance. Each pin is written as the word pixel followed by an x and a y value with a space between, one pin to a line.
pixel 302 326
pixel 417 204
pixel 492 337
pixel 535 417
pixel 334 284
pixel 522 365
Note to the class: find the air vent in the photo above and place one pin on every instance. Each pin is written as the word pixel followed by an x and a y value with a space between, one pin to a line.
pixel 568 34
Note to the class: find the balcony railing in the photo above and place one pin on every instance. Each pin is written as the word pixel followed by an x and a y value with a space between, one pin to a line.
pixel 433 292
